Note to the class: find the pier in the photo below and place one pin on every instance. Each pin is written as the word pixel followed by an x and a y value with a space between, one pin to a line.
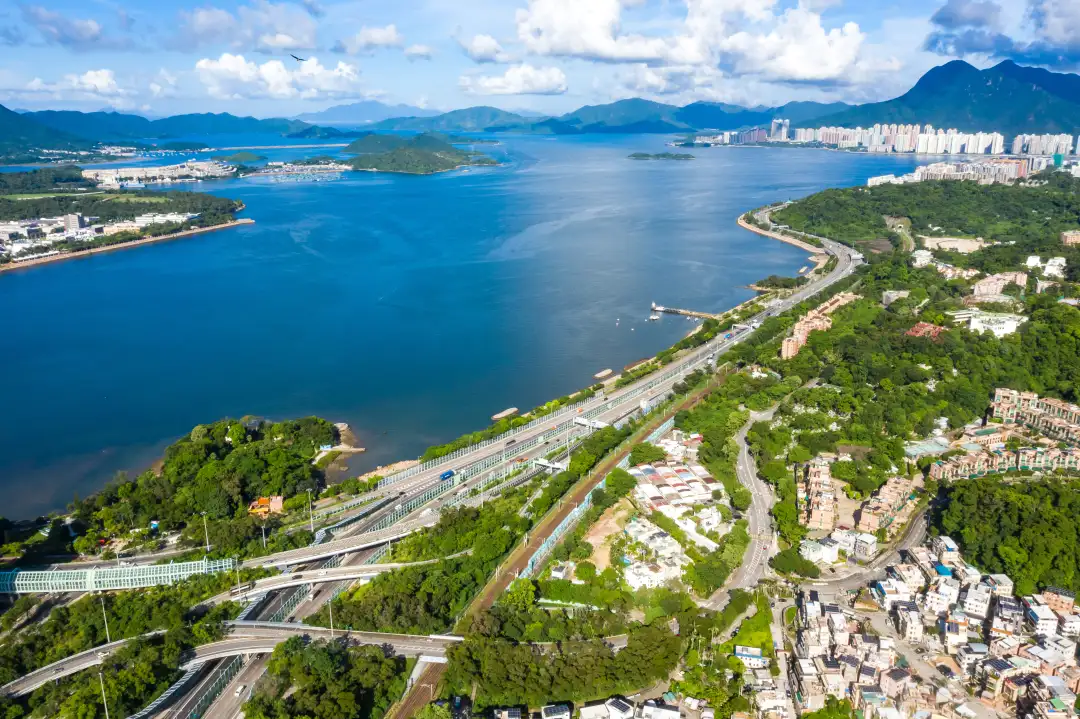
pixel 685 313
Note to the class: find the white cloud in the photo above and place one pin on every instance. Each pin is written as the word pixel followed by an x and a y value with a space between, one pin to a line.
pixel 485 48
pixel 370 39
pixel 419 52
pixel 592 30
pixel 798 48
pixel 164 85
pixel 92 85
pixel 521 79
pixel 232 77
pixel 1058 21
pixel 262 25
pixel 75 33
pixel 746 36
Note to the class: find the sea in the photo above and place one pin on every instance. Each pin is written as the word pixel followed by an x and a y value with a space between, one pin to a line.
pixel 412 308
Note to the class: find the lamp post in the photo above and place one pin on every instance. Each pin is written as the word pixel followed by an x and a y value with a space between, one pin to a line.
pixel 206 532
pixel 331 604
pixel 101 679
pixel 108 639
pixel 311 517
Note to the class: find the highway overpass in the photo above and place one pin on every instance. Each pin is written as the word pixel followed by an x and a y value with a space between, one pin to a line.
pixel 261 637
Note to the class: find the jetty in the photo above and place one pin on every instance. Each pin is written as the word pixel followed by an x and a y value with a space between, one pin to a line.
pixel 685 313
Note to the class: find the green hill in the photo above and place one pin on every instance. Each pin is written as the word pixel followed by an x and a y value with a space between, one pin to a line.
pixel 417 161
pixel 1006 98
pixel 470 118
pixel 114 126
pixel 373 142
pixel 19 134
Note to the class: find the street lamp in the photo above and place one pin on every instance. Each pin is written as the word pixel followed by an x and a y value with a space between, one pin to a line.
pixel 206 532
pixel 101 679
pixel 331 604
pixel 108 639
pixel 311 517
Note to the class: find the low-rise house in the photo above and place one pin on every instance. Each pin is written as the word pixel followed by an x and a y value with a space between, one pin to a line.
pixel 555 711
pixel 751 657
pixel 895 681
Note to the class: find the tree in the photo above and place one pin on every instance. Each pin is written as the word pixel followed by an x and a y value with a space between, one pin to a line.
pixel 434 711
pixel 646 453
pixel 520 595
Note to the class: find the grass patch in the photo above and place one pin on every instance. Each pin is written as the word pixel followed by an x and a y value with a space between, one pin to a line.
pixel 755 631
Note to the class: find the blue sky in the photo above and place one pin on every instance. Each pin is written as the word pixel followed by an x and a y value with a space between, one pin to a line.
pixel 172 56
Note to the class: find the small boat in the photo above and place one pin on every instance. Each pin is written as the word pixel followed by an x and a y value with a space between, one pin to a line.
pixel 653 318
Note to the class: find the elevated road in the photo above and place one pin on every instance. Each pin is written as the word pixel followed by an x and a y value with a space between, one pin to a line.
pixel 261 637
pixel 343 546
pixel 57 670
pixel 317 576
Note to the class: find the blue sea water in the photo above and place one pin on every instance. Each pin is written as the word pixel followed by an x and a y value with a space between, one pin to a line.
pixel 412 308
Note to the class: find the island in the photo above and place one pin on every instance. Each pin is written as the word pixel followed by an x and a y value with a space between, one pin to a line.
pixel 661 156
pixel 239 157
pixel 422 154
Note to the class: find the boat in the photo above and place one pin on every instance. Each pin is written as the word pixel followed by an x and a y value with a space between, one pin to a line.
pixel 653 318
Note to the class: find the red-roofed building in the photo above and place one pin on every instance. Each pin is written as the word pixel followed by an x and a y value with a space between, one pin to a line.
pixel 925 329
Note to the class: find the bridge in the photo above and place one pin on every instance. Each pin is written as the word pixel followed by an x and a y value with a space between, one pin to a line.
pixel 366 540
pixel 96 579
pixel 317 576
pixel 57 670
pixel 261 638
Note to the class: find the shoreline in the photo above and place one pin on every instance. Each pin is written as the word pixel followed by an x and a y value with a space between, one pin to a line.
pixel 13 266
pixel 783 238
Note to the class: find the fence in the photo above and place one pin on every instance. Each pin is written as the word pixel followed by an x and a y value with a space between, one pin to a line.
pixel 224 675
pixel 542 552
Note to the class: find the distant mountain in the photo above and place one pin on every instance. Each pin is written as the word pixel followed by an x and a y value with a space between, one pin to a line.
pixel 469 119
pixel 364 112
pixel 114 126
pixel 624 116
pixel 1006 98
pixel 19 133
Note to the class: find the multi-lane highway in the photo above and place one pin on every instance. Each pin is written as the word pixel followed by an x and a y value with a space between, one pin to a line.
pixel 477 466
pixel 249 638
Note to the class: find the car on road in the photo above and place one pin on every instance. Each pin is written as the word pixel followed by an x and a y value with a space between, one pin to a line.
pixel 945 671
pixel 511 443
pixel 239 690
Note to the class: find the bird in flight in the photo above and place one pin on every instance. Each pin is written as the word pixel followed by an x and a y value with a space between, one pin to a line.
pixel 298 59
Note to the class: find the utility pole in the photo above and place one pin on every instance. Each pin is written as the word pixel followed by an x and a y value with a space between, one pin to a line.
pixel 101 679
pixel 237 568
pixel 264 533
pixel 311 517
pixel 331 604
pixel 206 532
pixel 108 639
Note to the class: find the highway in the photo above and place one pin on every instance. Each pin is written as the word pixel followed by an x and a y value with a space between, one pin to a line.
pixel 484 460
pixel 57 670
pixel 317 576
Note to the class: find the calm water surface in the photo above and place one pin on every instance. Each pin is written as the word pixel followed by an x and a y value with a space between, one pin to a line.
pixel 413 308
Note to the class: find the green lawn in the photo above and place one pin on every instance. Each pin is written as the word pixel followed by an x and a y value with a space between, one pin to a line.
pixel 755 631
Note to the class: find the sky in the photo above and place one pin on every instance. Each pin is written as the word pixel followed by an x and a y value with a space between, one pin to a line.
pixel 280 58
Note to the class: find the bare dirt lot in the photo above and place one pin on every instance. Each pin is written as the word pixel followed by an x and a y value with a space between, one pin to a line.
pixel 610 524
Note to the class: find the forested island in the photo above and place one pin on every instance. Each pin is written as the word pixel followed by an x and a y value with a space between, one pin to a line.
pixel 239 157
pixel 661 156
pixel 422 154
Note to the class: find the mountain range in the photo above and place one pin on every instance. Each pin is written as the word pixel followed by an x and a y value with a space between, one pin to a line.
pixel 624 116
pixel 1007 98
pixel 115 126
pixel 363 113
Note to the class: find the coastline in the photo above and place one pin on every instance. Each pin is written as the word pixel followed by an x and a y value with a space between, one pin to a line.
pixel 12 266
pixel 783 238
